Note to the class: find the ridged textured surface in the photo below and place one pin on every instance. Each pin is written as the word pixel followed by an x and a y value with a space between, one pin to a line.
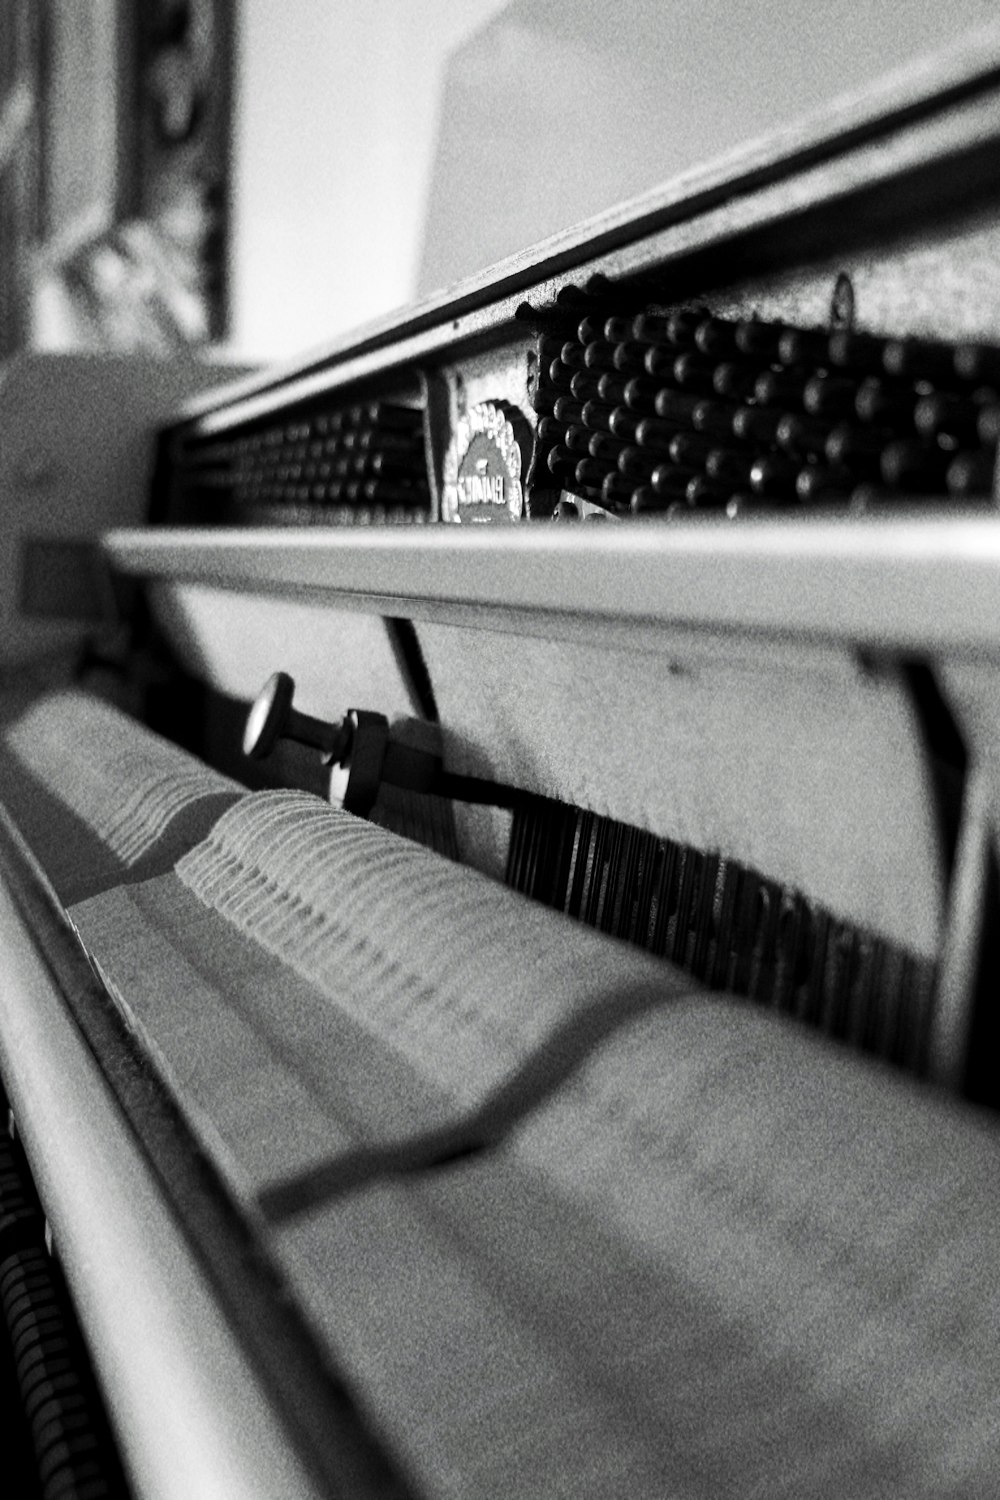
pixel 98 796
pixel 423 952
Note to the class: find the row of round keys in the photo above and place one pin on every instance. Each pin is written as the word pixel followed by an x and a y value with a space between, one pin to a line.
pixel 656 451
pixel 351 491
pixel 370 415
pixel 959 367
pixel 302 515
pixel 935 417
pixel 373 463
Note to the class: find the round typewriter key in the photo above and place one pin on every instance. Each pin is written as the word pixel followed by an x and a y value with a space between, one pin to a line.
pixel 817 483
pixel 650 502
pixel 714 418
pixel 716 336
pixel 944 414
pixel 919 467
pixel 978 364
pixel 735 380
pixel 726 467
pixel 676 328
pixel 616 490
pixel 804 346
pixel 758 338
pixel 654 432
pixel 577 440
pixel 671 480
pixel 629 357
pixel 780 388
pixel 866 499
pixel 568 410
pixel 660 362
pixel 649 329
pixel 690 449
pixel 560 375
pixel 573 355
pixel 919 359
pixel 590 328
pixel 591 473
pixel 560 459
pixel 618 330
pixel 988 425
pixel 773 476
pixel 644 498
pixel 636 463
pixel 600 355
pixel 625 424
pixel 602 445
pixel 596 415
pixel 694 372
pixel 756 425
pixel 799 436
pixel 853 447
pixel 611 388
pixel 855 351
pixel 674 406
pixel 741 505
pixel 829 395
pixel 584 385
pixel 703 493
pixel 683 324
pixel 878 401
pixel 971 475
pixel 641 393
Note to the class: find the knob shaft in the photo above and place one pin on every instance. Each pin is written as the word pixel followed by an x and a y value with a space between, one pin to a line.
pixel 272 718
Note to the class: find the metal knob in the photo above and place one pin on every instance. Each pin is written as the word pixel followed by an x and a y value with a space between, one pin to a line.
pixel 272 718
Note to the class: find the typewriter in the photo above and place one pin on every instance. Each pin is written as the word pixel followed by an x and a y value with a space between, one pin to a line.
pixel 500 908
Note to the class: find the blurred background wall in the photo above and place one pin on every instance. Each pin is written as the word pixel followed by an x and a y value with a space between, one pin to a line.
pixel 269 174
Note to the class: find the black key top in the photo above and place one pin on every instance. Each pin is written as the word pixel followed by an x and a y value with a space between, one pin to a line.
pixel 880 402
pixel 629 357
pixel 801 437
pixel 716 337
pixel 599 355
pixel 654 432
pixel 829 395
pixel 971 475
pixel 804 346
pixel 714 418
pixel 856 351
pixel 636 463
pixel 735 379
pixel 819 484
pixel 759 338
pixel 856 448
pixel 918 467
pixel 625 424
pixel 675 406
pixel 919 359
pixel 755 424
pixel 641 393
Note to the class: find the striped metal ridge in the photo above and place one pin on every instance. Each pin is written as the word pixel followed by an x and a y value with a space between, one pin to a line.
pixel 730 927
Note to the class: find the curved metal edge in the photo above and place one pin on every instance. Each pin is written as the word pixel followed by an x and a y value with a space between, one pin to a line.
pixel 185 1405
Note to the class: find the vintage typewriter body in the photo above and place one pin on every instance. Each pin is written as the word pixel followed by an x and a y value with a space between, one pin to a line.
pixel 654 578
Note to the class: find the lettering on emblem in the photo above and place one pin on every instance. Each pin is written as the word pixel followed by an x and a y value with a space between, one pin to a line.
pixel 482 467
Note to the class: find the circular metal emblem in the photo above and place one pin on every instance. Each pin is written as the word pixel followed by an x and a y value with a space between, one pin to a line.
pixel 482 468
